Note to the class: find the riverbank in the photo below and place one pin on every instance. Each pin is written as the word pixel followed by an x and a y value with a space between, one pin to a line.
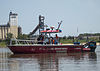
pixel 98 43
pixel 3 44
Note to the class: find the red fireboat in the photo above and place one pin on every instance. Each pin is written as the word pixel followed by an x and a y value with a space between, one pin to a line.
pixel 45 43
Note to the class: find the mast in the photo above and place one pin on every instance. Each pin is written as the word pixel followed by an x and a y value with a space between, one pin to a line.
pixel 41 23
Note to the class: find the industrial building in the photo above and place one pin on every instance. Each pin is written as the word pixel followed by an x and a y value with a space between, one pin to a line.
pixel 10 27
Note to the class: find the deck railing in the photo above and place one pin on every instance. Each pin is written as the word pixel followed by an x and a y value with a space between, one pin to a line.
pixel 20 42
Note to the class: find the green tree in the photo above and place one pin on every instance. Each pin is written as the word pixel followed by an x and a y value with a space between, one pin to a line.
pixel 64 37
pixel 9 36
pixel 23 36
pixel 70 37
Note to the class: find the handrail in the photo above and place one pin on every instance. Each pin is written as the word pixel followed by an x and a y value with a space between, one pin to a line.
pixel 19 41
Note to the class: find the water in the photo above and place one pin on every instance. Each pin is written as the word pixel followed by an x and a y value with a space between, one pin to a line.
pixel 89 61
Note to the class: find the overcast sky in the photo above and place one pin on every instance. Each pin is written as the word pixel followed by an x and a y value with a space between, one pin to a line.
pixel 81 14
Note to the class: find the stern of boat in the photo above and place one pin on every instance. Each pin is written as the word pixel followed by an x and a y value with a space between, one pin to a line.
pixel 90 46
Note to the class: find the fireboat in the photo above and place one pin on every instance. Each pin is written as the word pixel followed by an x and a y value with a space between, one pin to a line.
pixel 45 43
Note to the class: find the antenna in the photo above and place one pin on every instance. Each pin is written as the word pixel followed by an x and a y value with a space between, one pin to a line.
pixel 77 34
pixel 59 24
pixel 77 31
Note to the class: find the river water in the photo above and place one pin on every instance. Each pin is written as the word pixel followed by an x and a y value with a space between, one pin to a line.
pixel 88 61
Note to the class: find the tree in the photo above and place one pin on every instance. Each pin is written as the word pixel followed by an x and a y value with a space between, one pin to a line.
pixel 70 37
pixel 9 36
pixel 23 36
pixel 64 37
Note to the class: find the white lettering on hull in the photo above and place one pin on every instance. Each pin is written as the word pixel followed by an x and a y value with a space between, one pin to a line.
pixel 77 48
pixel 60 51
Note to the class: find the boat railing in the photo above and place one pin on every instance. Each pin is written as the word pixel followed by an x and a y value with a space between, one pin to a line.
pixel 22 42
pixel 28 42
pixel 14 41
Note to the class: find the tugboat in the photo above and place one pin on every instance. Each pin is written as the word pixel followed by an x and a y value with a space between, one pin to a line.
pixel 45 43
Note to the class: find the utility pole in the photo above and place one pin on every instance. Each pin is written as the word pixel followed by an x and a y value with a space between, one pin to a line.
pixel 87 39
pixel 77 35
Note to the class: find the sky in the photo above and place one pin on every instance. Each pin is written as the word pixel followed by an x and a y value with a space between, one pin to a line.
pixel 83 15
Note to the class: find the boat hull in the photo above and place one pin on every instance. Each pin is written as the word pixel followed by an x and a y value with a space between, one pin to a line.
pixel 29 49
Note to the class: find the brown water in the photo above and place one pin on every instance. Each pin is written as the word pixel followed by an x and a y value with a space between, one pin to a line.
pixel 50 61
